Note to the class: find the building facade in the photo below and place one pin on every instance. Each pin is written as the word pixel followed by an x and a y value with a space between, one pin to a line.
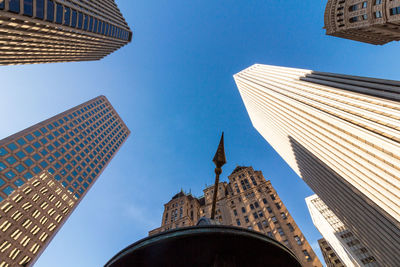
pixel 331 259
pixel 369 21
pixel 47 169
pixel 46 31
pixel 341 135
pixel 346 249
pixel 247 201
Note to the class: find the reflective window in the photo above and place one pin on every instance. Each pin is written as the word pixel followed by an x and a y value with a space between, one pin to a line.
pixel 85 27
pixel 28 176
pixel 28 7
pixel 19 182
pixel 12 146
pixel 73 23
pixel 67 21
pixel 20 168
pixel 3 151
pixel 95 25
pixel 40 9
pixel 21 142
pixel 10 175
pixel 28 162
pixel 20 154
pixel 59 14
pixel 36 169
pixel 2 166
pixel 8 190
pixel 2 182
pixel 11 160
pixel 14 6
pixel 2 4
pixel 80 20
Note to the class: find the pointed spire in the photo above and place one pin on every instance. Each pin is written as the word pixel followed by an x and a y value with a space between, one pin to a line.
pixel 219 158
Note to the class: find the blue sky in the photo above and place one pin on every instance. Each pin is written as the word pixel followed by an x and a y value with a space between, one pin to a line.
pixel 173 87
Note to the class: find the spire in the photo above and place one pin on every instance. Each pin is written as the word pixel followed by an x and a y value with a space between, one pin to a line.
pixel 219 158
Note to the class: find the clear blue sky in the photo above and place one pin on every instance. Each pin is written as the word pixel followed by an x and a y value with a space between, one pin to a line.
pixel 173 87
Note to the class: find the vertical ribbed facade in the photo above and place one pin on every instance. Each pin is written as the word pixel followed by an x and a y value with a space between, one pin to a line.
pixel 45 31
pixel 45 171
pixel 347 250
pixel 341 134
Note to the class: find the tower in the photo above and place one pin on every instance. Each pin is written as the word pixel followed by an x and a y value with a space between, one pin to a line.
pixel 341 135
pixel 248 200
pixel 46 170
pixel 45 31
pixel 369 21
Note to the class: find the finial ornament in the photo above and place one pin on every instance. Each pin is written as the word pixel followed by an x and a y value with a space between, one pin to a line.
pixel 219 161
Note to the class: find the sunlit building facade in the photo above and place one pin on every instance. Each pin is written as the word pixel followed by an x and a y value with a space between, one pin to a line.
pixel 341 135
pixel 47 169
pixel 369 21
pixel 248 200
pixel 347 250
pixel 45 31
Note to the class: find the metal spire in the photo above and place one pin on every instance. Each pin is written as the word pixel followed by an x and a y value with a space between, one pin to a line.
pixel 219 161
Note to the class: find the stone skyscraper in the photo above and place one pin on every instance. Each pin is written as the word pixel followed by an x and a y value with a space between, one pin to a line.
pixel 47 169
pixel 248 201
pixel 369 21
pixel 341 135
pixel 45 31
pixel 345 246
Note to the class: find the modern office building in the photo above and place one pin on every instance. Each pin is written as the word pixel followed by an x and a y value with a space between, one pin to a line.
pixel 329 255
pixel 346 248
pixel 47 169
pixel 369 21
pixel 247 201
pixel 341 135
pixel 45 31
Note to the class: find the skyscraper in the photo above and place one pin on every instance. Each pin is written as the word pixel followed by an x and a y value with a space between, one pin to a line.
pixel 369 21
pixel 248 201
pixel 47 169
pixel 341 135
pixel 45 31
pixel 346 248
pixel 331 259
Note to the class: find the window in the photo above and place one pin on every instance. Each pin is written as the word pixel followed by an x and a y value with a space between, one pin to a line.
pixel 364 4
pixel 256 204
pixel 269 210
pixel 280 231
pixel 14 6
pixel 59 16
pixel 260 214
pixel 73 19
pixel 243 209
pixel 353 8
pixel 67 18
pixel 278 206
pixel 395 11
pixel 308 257
pixel 238 222
pixel 252 206
pixel 80 20
pixel 283 215
pixel 50 10
pixel 353 19
pixel 253 180
pixel 8 190
pixel 290 226
pixel 259 226
pixel 3 152
pixel 255 215
pixel 246 218
pixel 378 2
pixel 368 260
pixel 2 4
pixel 272 197
pixel 264 201
pixel 273 218
pixel 235 212
pixel 28 8
pixel 364 17
pixel 298 240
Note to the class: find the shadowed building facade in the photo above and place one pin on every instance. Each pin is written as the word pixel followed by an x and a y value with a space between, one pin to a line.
pixel 247 201
pixel 345 248
pixel 369 21
pixel 47 169
pixel 331 259
pixel 341 135
pixel 45 31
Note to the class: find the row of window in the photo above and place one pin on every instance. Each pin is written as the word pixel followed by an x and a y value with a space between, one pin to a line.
pixel 66 16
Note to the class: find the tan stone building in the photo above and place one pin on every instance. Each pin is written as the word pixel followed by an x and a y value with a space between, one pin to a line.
pixel 47 169
pixel 369 21
pixel 341 135
pixel 248 201
pixel 331 259
pixel 45 31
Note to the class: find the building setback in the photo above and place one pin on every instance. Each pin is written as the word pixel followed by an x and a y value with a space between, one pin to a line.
pixel 341 135
pixel 47 169
pixel 346 249
pixel 330 257
pixel 45 31
pixel 369 21
pixel 247 201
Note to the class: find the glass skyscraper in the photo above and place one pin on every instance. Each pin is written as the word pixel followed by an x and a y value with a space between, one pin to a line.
pixel 44 31
pixel 47 169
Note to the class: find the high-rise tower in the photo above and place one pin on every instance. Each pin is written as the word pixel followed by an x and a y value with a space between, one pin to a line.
pixel 248 201
pixel 369 21
pixel 347 250
pixel 45 31
pixel 47 169
pixel 341 135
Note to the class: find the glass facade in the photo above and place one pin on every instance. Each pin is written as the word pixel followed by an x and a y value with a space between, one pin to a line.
pixel 74 148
